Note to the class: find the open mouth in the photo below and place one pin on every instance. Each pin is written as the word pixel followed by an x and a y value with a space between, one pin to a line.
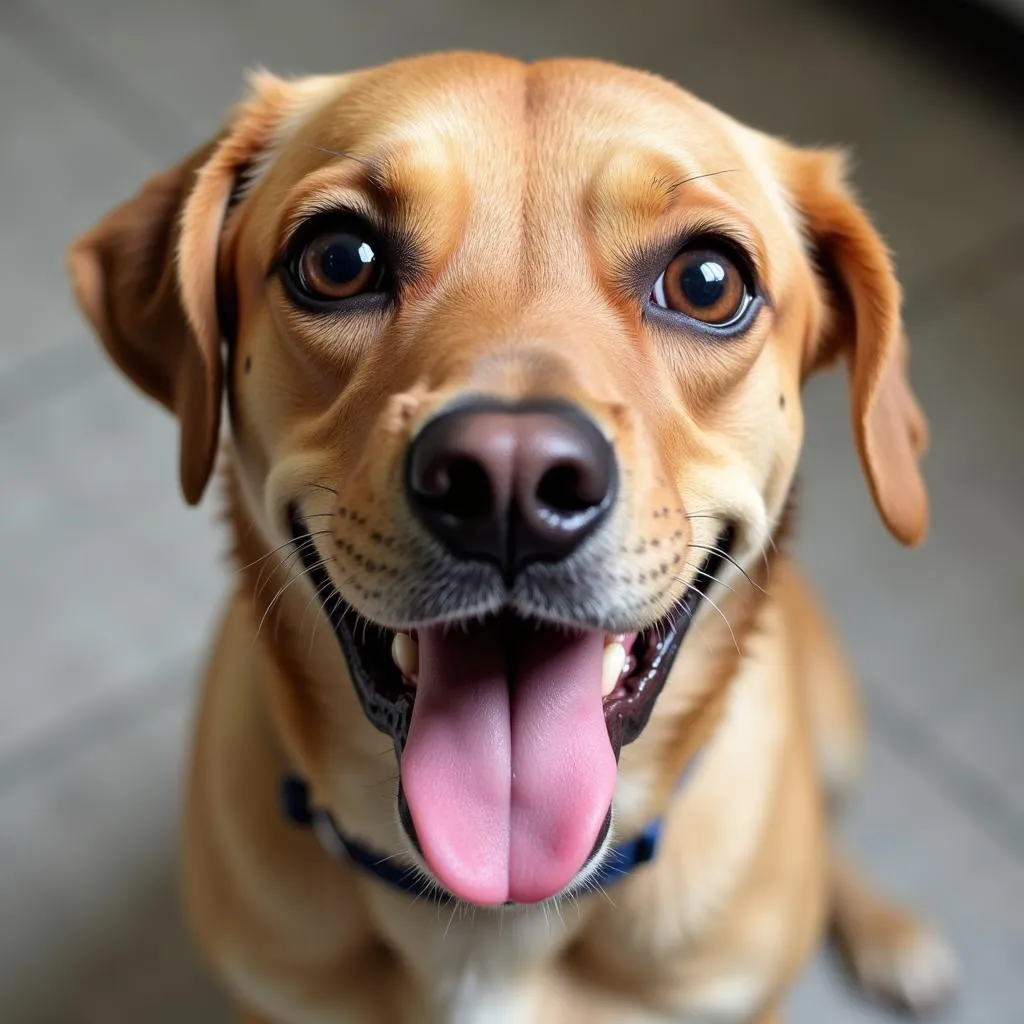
pixel 508 730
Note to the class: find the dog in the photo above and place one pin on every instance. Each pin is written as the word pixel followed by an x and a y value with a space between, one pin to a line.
pixel 520 711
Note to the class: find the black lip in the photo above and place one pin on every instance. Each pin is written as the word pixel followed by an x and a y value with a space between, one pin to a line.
pixel 387 703
pixel 627 716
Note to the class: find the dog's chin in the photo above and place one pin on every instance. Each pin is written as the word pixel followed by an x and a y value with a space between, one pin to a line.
pixel 508 730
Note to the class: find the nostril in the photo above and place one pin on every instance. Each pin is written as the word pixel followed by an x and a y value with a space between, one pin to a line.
pixel 563 489
pixel 459 487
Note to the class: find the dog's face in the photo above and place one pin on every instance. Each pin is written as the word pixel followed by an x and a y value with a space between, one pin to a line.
pixel 515 363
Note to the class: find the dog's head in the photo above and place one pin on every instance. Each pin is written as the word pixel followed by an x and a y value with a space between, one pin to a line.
pixel 513 359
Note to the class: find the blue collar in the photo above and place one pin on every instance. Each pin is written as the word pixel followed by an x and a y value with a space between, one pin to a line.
pixel 621 861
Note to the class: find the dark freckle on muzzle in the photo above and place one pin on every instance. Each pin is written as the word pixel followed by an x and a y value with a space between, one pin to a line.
pixel 511 484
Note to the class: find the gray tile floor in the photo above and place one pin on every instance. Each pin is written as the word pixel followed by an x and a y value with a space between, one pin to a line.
pixel 110 586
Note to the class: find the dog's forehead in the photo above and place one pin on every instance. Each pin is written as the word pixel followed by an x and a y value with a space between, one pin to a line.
pixel 497 121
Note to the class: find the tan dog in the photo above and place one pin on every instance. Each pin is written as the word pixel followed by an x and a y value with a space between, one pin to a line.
pixel 513 364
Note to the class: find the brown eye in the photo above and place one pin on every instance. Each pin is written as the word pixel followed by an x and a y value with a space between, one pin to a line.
pixel 703 284
pixel 339 265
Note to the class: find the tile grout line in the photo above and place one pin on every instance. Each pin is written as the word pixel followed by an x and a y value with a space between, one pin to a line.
pixel 947 773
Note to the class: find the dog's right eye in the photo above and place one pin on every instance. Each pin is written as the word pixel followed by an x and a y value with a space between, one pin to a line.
pixel 338 266
pixel 330 263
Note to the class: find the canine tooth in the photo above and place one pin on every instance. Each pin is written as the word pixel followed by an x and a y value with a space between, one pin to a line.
pixel 612 666
pixel 405 653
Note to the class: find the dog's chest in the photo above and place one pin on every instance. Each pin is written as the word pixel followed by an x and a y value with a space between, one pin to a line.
pixel 522 978
pixel 475 996
pixel 480 969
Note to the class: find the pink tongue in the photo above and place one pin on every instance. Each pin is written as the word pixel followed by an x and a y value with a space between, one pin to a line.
pixel 508 770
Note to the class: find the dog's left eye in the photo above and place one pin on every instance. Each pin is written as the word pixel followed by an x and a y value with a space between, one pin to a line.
pixel 704 284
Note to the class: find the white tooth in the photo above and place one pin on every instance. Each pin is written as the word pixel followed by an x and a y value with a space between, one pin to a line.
pixel 405 653
pixel 611 669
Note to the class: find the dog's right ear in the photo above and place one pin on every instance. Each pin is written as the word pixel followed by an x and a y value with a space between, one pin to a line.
pixel 146 277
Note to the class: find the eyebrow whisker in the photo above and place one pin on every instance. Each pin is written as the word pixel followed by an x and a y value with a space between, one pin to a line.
pixel 342 156
pixel 676 185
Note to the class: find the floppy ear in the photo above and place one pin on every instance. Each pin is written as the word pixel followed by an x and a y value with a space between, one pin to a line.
pixel 863 326
pixel 146 278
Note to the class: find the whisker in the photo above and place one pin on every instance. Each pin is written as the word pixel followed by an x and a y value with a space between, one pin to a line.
pixel 575 897
pixel 273 603
pixel 390 780
pixel 593 885
pixel 267 571
pixel 307 571
pixel 305 611
pixel 276 619
pixel 316 593
pixel 732 561
pixel 283 588
pixel 558 910
pixel 328 612
pixel 340 155
pixel 256 561
pixel 676 185
pixel 283 556
pixel 664 608
pixel 711 576
pixel 389 857
pixel 764 555
pixel 450 920
pixel 424 889
pixel 689 619
pixel 324 487
pixel 725 619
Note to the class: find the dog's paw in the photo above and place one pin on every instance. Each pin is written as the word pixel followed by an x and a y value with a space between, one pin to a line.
pixel 906 963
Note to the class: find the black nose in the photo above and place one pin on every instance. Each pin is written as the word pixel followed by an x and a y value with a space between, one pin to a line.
pixel 511 484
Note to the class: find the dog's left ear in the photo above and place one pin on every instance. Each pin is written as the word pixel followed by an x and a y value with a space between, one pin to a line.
pixel 863 325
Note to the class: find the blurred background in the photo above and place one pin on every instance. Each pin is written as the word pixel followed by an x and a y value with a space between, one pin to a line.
pixel 109 587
